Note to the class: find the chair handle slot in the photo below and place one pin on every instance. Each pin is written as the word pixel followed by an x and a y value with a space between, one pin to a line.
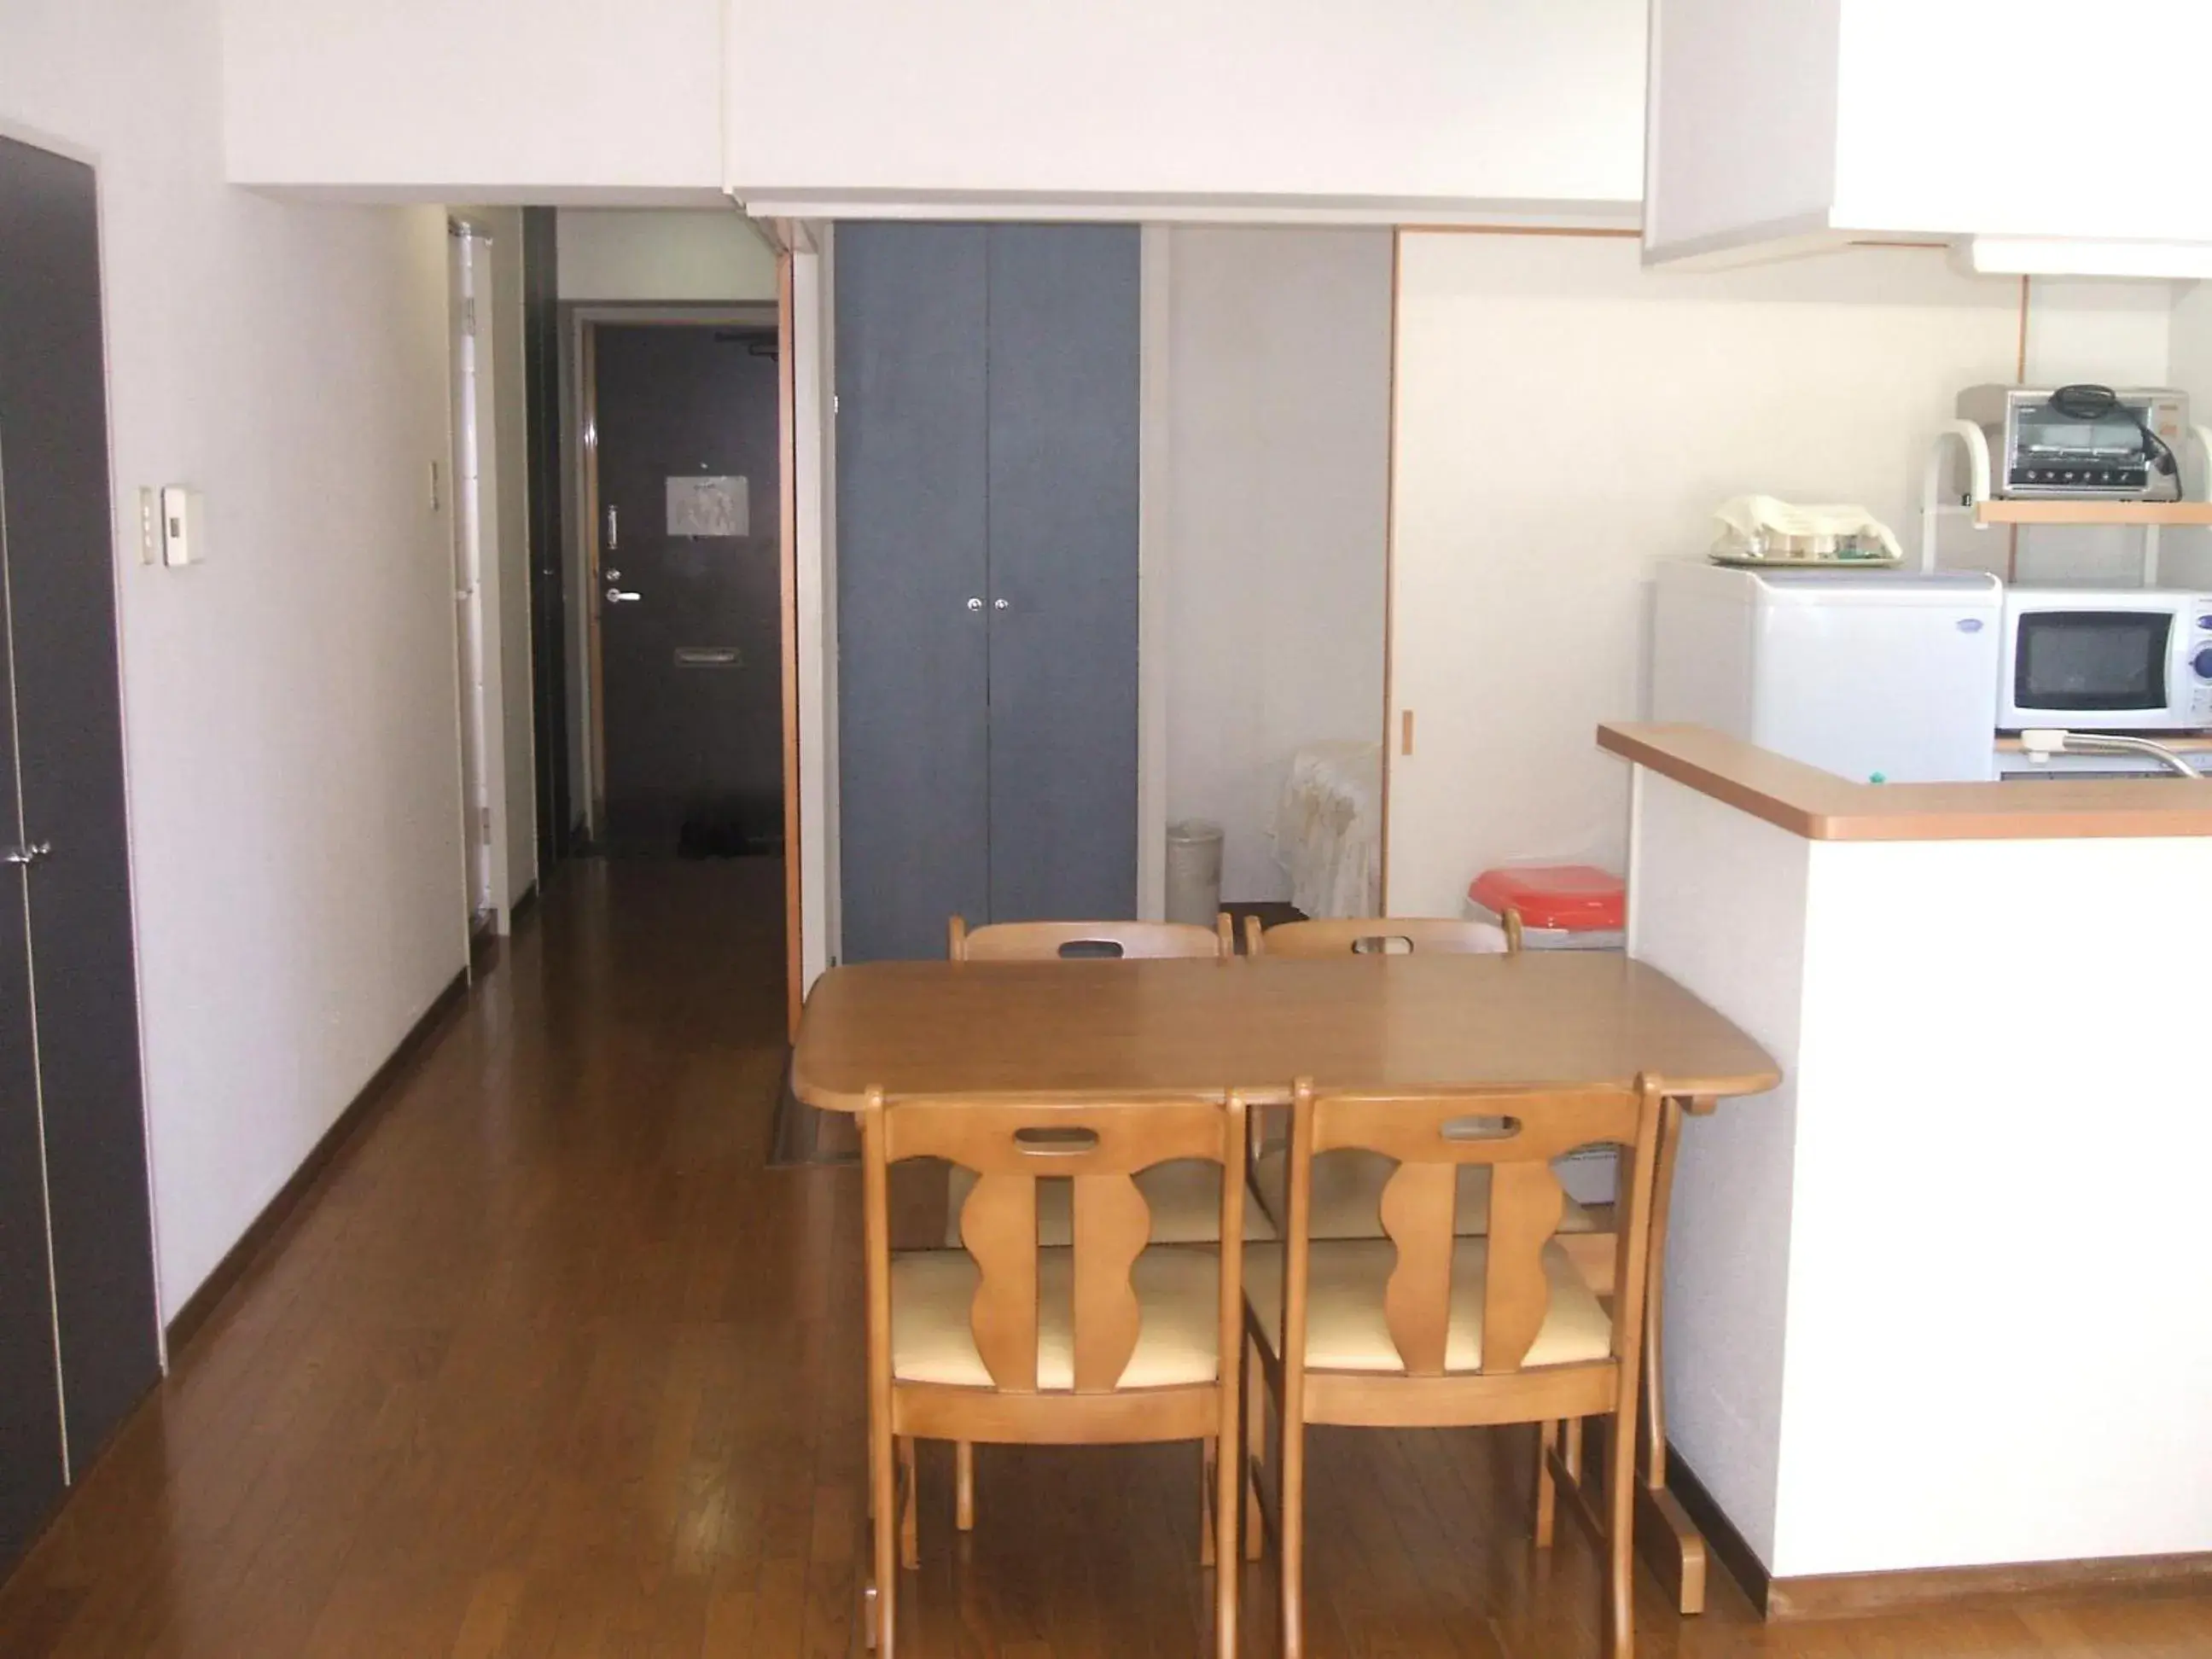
pixel 1056 1142
pixel 1481 1127
pixel 1075 949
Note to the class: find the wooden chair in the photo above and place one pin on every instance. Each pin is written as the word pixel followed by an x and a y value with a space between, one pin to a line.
pixel 1334 936
pixel 1042 941
pixel 1348 1186
pixel 1183 1196
pixel 1105 1342
pixel 1425 1329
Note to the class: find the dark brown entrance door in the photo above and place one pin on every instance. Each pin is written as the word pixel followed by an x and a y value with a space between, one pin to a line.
pixel 689 592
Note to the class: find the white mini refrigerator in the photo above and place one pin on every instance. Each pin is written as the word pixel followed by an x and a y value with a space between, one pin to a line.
pixel 1875 675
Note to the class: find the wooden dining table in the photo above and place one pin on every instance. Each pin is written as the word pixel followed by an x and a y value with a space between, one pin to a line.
pixel 1379 1023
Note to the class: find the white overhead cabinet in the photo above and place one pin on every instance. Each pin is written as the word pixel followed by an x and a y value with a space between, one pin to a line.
pixel 2041 137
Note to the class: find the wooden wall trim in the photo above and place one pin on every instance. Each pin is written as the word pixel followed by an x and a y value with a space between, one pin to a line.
pixel 1859 1595
pixel 266 1230
pixel 787 410
pixel 1822 806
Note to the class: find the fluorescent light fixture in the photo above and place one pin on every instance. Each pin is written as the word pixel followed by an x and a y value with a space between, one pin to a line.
pixel 2054 256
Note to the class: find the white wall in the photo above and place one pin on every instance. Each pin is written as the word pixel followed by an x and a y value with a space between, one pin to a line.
pixel 1565 418
pixel 1717 902
pixel 475 100
pixel 1972 1147
pixel 1427 104
pixel 670 255
pixel 1277 417
pixel 290 703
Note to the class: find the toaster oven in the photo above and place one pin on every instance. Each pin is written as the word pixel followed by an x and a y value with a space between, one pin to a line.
pixel 2081 441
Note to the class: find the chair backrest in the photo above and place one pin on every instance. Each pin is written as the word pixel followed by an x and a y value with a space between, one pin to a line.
pixel 1336 936
pixel 1098 1145
pixel 1043 941
pixel 1516 1133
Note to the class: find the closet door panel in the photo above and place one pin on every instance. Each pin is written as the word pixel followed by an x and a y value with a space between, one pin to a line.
pixel 1064 353
pixel 30 1399
pixel 913 754
pixel 70 733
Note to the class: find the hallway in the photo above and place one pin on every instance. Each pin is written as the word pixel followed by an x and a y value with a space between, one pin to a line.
pixel 551 1363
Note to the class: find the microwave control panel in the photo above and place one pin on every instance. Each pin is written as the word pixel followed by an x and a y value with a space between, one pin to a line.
pixel 2200 660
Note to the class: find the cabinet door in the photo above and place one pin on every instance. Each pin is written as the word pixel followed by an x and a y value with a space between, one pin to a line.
pixel 61 587
pixel 910 673
pixel 1064 354
pixel 30 1399
pixel 30 1455
pixel 31 1467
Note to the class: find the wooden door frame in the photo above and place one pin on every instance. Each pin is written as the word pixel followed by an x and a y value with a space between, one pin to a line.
pixel 580 322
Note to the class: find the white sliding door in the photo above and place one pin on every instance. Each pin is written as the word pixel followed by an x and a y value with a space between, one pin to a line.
pixel 1564 419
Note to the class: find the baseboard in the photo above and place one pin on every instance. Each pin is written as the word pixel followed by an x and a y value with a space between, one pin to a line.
pixel 522 907
pixel 1726 1545
pixel 1855 1594
pixel 1858 1594
pixel 377 1092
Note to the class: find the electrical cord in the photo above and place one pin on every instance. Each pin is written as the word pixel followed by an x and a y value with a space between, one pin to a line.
pixel 2095 403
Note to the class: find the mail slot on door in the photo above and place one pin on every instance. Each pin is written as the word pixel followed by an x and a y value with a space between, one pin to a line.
pixel 710 656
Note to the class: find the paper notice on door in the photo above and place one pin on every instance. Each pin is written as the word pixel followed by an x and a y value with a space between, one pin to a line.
pixel 708 507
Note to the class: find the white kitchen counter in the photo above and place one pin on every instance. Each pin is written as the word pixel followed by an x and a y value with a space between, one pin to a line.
pixel 1945 1299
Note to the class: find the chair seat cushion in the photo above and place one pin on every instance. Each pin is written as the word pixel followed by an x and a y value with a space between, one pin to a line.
pixel 1183 1194
pixel 1347 1195
pixel 1179 1315
pixel 1346 1329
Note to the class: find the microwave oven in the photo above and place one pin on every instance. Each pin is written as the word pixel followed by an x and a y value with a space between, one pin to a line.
pixel 2081 441
pixel 2105 660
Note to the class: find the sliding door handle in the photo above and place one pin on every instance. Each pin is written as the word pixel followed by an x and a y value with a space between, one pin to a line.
pixel 30 855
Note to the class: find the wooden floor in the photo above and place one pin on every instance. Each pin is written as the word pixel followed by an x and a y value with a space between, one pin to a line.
pixel 551 1364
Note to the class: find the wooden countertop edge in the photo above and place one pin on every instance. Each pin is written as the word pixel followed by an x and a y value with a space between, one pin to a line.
pixel 1822 806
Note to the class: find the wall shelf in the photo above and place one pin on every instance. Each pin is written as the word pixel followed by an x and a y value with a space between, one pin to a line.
pixel 2093 512
pixel 1964 497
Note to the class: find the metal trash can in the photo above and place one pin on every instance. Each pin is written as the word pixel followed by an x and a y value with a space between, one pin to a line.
pixel 1194 871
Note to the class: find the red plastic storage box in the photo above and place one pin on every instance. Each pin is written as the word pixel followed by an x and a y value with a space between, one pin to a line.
pixel 1572 906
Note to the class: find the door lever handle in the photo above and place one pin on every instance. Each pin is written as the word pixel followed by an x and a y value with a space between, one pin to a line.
pixel 615 595
pixel 30 855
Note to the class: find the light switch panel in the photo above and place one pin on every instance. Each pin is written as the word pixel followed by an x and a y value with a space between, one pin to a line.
pixel 184 539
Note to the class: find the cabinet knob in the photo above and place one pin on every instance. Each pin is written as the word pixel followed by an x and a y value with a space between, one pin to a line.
pixel 998 605
pixel 30 855
pixel 975 605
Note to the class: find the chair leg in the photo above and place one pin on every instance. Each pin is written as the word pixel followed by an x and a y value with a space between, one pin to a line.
pixel 881 1608
pixel 910 1532
pixel 1225 1505
pixel 1292 1464
pixel 1547 1437
pixel 1209 1497
pixel 963 1485
pixel 1620 1533
pixel 1253 1404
